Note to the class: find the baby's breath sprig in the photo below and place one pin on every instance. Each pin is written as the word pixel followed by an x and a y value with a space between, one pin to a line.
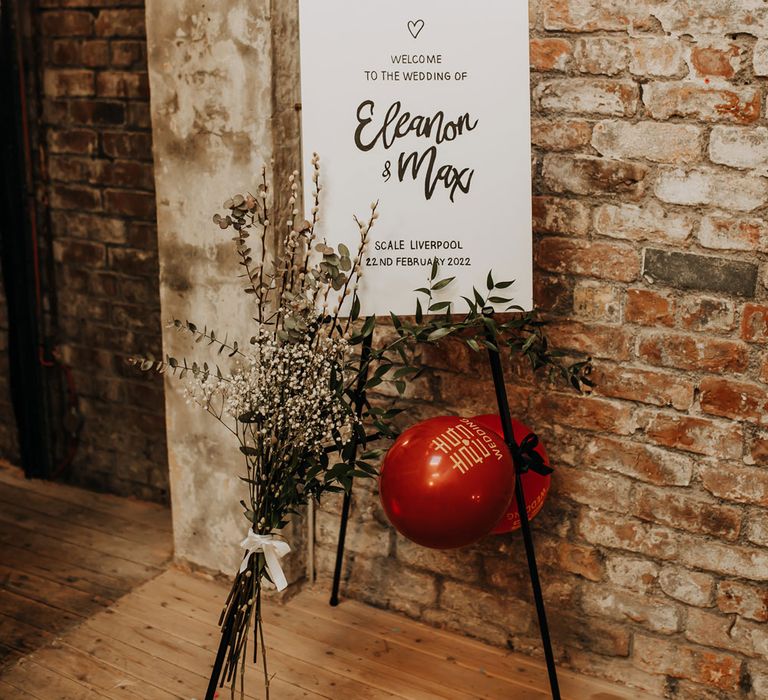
pixel 288 395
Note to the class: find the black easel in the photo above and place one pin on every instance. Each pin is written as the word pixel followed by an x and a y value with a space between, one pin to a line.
pixel 520 468
pixel 525 526
pixel 362 379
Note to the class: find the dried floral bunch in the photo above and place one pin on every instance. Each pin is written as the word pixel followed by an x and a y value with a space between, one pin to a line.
pixel 290 395
pixel 300 390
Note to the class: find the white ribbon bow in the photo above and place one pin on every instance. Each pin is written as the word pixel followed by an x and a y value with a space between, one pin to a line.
pixel 274 550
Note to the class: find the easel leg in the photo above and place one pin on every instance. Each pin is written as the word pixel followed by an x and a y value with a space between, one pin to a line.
pixel 334 601
pixel 365 355
pixel 533 570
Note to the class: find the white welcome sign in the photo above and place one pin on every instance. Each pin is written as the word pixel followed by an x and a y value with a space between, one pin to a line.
pixel 422 105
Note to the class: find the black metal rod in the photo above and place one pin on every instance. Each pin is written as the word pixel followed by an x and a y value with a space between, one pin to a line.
pixel 365 356
pixel 509 437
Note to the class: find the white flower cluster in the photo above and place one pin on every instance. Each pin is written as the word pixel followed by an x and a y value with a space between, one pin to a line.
pixel 288 389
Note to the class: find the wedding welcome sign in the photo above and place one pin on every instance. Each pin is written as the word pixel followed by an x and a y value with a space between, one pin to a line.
pixel 422 105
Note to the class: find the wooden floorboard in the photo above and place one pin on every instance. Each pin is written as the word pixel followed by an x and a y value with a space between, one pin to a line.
pixel 66 554
pixel 90 610
pixel 159 641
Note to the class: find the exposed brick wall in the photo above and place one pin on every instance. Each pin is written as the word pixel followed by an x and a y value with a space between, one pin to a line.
pixel 102 216
pixel 651 153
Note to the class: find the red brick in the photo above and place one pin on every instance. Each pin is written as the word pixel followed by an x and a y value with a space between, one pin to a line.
pixel 647 386
pixel 124 144
pixel 604 638
pixel 589 175
pixel 596 340
pixel 139 115
pixel 757 447
pixel 738 105
pixel 728 233
pixel 684 512
pixel 135 317
pixel 580 559
pixel 593 488
pixel 71 52
pixel 631 573
pixel 93 226
pixel 692 352
pixel 693 434
pixel 95 54
pixel 122 84
pixel 552 293
pixel 464 392
pixel 682 661
pixel 131 261
pixel 560 215
pixel 691 587
pixel 103 284
pixel 75 197
pixel 136 204
pixel 138 291
pixel 601 55
pixel 585 413
pixel 697 186
pixel 639 461
pixel 122 23
pixel 639 223
pixel 128 54
pixel 560 134
pixel 725 397
pixel 550 54
pixel 657 56
pixel 142 234
pixel 649 308
pixel 594 301
pixel 659 142
pixel 736 483
pixel 589 95
pixel 724 632
pixel 79 253
pixel 68 82
pixel 744 599
pixel 589 258
pixel 55 111
pixel 66 52
pixel 127 173
pixel 754 323
pixel 713 19
pixel 97 112
pixel 699 313
pixel 624 533
pixel 71 169
pixel 657 614
pixel 592 15
pixel 712 61
pixel 67 23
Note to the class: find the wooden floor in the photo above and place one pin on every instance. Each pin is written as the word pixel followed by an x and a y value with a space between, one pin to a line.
pixel 64 637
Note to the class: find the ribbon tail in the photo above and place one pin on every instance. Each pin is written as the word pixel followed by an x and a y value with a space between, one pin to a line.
pixel 244 563
pixel 274 568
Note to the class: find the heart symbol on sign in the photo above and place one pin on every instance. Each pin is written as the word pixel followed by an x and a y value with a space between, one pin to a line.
pixel 415 27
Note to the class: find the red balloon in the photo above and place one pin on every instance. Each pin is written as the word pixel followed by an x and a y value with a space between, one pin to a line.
pixel 535 486
pixel 446 482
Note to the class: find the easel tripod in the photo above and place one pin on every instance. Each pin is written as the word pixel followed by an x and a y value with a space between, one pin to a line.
pixel 521 467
